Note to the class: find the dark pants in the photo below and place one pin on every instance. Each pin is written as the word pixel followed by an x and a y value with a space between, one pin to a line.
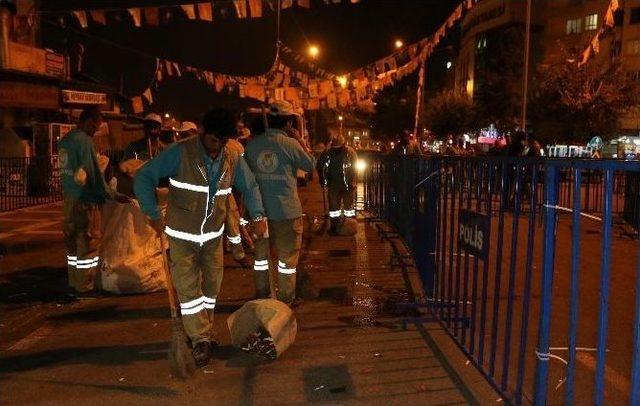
pixel 341 201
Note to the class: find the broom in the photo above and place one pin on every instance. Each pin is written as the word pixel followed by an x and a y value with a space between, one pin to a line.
pixel 181 362
pixel 323 227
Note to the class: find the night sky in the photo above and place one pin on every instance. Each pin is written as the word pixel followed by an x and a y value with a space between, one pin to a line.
pixel 349 35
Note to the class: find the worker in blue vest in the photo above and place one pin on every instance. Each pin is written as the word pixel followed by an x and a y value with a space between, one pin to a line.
pixel 83 187
pixel 275 159
pixel 201 172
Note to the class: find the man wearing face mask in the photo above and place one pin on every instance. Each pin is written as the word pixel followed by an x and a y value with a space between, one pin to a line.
pixel 201 173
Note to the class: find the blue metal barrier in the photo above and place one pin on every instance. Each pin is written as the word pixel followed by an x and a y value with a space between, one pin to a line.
pixel 517 261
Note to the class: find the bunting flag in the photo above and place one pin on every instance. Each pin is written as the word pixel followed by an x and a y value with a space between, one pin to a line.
pixel 201 10
pixel 82 18
pixel 320 89
pixel 98 17
pixel 189 10
pixel 255 7
pixel 241 8
pixel 136 104
pixel 135 16
pixel 205 11
pixel 147 95
pixel 151 15
pixel 593 48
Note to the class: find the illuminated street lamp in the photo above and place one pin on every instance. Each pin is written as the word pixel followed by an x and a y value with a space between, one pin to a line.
pixel 314 51
pixel 399 44
pixel 449 64
pixel 342 80
pixel 340 119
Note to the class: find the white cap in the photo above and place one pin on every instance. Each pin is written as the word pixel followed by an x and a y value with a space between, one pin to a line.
pixel 188 126
pixel 153 117
pixel 281 108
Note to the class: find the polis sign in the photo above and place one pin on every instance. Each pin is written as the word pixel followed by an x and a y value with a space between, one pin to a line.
pixel 473 233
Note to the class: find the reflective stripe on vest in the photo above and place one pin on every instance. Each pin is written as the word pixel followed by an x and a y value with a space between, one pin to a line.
pixel 197 238
pixel 188 186
pixel 223 192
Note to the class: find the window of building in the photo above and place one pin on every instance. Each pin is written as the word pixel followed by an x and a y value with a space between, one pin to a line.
pixel 481 43
pixel 634 16
pixel 591 22
pixel 574 26
pixel 633 47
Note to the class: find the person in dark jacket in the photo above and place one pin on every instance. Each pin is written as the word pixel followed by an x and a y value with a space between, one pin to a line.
pixel 337 172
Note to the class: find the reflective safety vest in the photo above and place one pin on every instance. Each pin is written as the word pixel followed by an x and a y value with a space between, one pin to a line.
pixel 197 212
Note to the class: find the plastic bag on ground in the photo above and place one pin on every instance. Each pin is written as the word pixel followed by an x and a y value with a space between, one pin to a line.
pixel 262 325
pixel 130 251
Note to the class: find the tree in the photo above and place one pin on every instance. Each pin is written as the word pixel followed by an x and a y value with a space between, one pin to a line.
pixel 449 112
pixel 395 109
pixel 572 103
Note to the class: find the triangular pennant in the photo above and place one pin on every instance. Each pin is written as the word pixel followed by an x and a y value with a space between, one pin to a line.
pixel 159 72
pixel 98 16
pixel 169 66
pixel 220 82
pixel 135 16
pixel 255 7
pixel 147 95
pixel 189 10
pixel 82 18
pixel 205 11
pixel 595 44
pixel 241 8
pixel 136 104
pixel 151 15
pixel 176 68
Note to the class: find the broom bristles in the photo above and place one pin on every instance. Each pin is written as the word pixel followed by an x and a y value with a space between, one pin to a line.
pixel 181 362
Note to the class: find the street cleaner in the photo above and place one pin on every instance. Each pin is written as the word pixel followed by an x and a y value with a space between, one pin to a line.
pixel 201 173
pixel 337 173
pixel 83 187
pixel 275 158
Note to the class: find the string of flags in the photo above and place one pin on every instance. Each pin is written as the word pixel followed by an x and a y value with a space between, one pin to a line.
pixel 199 10
pixel 593 48
pixel 320 89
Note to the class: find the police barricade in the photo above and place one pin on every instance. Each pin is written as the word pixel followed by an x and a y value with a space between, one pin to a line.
pixel 27 182
pixel 527 264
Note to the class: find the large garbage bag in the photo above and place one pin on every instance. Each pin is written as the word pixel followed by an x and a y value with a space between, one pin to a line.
pixel 130 251
pixel 266 327
pixel 348 227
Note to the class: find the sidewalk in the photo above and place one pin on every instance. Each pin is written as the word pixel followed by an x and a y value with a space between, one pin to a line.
pixel 350 348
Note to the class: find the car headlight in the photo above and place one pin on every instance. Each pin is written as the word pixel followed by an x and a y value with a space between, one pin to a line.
pixel 361 165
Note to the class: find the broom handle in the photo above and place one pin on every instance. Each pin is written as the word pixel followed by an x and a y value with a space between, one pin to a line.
pixel 173 302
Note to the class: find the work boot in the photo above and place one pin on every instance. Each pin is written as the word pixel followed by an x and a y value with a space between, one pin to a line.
pixel 202 353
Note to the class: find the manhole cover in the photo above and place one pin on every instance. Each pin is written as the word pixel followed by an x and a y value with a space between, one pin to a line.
pixel 339 253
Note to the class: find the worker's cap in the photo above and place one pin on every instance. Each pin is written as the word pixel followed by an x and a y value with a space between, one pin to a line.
pixel 153 117
pixel 188 126
pixel 281 108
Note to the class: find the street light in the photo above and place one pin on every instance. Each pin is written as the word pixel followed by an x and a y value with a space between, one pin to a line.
pixel 342 80
pixel 314 51
pixel 341 119
pixel 399 44
pixel 449 64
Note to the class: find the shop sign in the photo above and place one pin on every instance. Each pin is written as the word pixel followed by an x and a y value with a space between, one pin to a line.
pixel 473 233
pixel 77 97
pixel 29 95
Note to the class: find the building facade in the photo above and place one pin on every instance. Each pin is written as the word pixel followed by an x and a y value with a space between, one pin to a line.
pixel 561 29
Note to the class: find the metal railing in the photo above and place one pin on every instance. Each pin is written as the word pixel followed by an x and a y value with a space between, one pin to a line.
pixel 521 266
pixel 28 182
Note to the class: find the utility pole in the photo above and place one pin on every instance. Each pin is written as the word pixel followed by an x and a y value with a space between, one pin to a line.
pixel 525 80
